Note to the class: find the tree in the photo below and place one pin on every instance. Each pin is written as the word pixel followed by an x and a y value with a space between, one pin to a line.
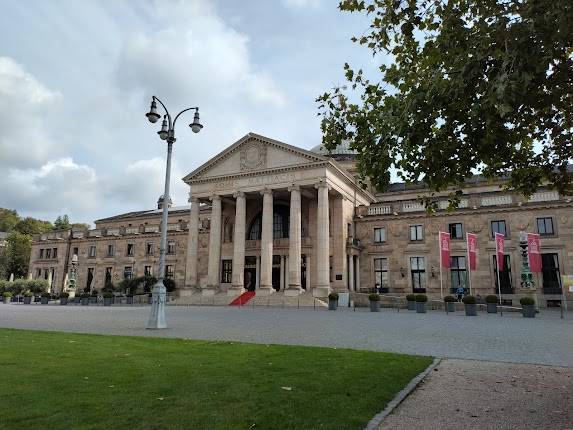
pixel 8 219
pixel 473 86
pixel 62 223
pixel 18 247
pixel 32 226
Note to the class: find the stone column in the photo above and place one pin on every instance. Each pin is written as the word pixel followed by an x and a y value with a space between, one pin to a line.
pixel 191 280
pixel 307 273
pixel 267 244
pixel 294 287
pixel 258 270
pixel 357 270
pixel 213 274
pixel 282 276
pixel 322 284
pixel 351 272
pixel 239 245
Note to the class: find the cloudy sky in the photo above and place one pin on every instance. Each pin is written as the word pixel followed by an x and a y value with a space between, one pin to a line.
pixel 76 78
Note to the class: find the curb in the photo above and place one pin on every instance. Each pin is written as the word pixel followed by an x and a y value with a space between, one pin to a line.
pixel 375 422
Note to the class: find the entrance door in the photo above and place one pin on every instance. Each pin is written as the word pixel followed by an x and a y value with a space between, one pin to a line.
pixel 276 272
pixel 250 279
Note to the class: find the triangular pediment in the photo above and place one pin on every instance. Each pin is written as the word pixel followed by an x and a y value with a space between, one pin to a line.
pixel 253 153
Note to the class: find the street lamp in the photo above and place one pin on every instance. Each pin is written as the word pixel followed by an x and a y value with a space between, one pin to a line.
pixel 167 132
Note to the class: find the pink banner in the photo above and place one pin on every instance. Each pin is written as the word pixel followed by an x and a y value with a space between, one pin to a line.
pixel 472 250
pixel 499 251
pixel 445 249
pixel 534 252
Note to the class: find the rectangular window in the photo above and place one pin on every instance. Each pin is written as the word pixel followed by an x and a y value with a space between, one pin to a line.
pixel 498 227
pixel 76 251
pixel 171 247
pixel 456 230
pixel 92 251
pixel 55 253
pixel 127 272
pixel 149 248
pixel 379 235
pixel 41 253
pixel 38 273
pixel 551 275
pixel 349 229
pixel 416 232
pixel 458 271
pixel 545 226
pixel 169 271
pixel 108 274
pixel 381 272
pixel 48 253
pixel 226 270
pixel 130 248
pixel 418 273
pixel 90 278
pixel 504 275
pixel 147 271
pixel 110 250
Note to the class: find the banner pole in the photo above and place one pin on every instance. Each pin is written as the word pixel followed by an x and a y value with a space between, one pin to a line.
pixel 468 264
pixel 498 284
pixel 440 254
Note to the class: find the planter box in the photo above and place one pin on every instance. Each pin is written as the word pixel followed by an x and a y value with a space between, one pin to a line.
pixel 528 311
pixel 63 301
pixel 6 300
pixel 332 305
pixel 27 300
pixel 374 306
pixel 411 305
pixel 450 306
pixel 44 300
pixel 85 302
pixel 77 299
pixel 149 300
pixel 421 307
pixel 492 308
pixel 93 300
pixel 107 301
pixel 471 310
pixel 129 300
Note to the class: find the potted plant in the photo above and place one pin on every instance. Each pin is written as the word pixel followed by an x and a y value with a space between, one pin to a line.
pixel 491 303
pixel 129 299
pixel 64 298
pixel 421 300
pixel 107 298
pixel 527 307
pixel 470 306
pixel 45 298
pixel 450 302
pixel 93 297
pixel 7 295
pixel 28 297
pixel 374 302
pixel 77 299
pixel 332 301
pixel 85 299
pixel 411 302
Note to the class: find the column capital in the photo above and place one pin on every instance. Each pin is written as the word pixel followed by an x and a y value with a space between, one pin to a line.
pixel 294 187
pixel 238 194
pixel 193 199
pixel 215 197
pixel 266 191
pixel 322 184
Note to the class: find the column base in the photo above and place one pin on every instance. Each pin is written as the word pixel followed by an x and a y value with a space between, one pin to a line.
pixel 293 291
pixel 235 291
pixel 265 291
pixel 209 291
pixel 320 291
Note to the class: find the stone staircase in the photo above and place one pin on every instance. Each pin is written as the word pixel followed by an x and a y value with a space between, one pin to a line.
pixel 198 299
pixel 277 300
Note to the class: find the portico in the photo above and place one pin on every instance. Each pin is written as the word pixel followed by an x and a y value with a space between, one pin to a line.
pixel 282 208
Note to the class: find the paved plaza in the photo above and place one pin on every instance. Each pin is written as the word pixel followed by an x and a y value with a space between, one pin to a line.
pixel 546 340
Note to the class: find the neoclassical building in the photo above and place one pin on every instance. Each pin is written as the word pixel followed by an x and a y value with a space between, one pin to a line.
pixel 273 218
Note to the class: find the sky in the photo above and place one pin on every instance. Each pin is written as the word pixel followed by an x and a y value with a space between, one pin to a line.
pixel 76 79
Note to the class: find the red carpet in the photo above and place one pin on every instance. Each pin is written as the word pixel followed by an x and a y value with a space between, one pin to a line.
pixel 243 298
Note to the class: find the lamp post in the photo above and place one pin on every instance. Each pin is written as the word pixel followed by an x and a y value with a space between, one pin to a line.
pixel 167 132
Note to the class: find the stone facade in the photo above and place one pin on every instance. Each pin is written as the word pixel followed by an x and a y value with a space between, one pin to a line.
pixel 248 202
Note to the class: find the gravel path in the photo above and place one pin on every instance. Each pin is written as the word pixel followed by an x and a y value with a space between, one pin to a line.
pixel 465 394
pixel 544 340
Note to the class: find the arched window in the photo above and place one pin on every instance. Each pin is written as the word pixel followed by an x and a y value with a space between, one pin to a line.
pixel 281 219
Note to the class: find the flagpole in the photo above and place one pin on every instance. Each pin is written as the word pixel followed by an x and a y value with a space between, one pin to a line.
pixel 440 254
pixel 469 265
pixel 498 279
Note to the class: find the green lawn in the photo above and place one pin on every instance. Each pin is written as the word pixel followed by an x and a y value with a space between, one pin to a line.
pixel 53 380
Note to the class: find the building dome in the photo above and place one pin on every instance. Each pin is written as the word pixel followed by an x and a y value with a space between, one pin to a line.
pixel 341 152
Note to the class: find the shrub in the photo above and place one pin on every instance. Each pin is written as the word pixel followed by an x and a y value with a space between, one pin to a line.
pixel 94 293
pixel 148 283
pixel 526 301
pixel 469 300
pixel 85 296
pixel 491 298
pixel 28 294
pixel 374 297
pixel 3 285
pixel 169 284
pixel 19 285
pixel 333 296
pixel 38 286
pixel 107 295
pixel 421 298
pixel 411 297
pixel 7 294
pixel 134 285
pixel 108 287
pixel 46 294
pixel 449 299
pixel 64 295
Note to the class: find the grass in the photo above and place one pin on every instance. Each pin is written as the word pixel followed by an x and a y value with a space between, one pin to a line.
pixel 53 380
